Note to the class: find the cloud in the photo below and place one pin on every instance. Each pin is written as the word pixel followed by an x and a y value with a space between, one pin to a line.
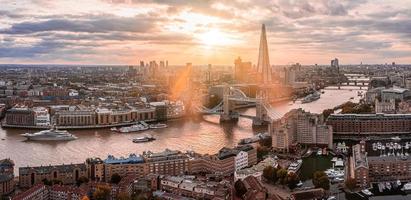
pixel 123 29
pixel 97 24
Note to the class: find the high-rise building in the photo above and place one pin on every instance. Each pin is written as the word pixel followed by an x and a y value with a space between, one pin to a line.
pixel 263 67
pixel 241 70
pixel 335 65
pixel 300 127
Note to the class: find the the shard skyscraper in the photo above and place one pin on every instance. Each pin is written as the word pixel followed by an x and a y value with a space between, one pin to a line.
pixel 263 67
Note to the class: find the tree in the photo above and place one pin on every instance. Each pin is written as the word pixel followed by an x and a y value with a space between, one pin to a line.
pixel 327 112
pixel 47 182
pixel 320 180
pixel 102 192
pixel 123 196
pixel 270 174
pixel 292 180
pixel 281 175
pixel 115 178
pixel 240 189
pixel 261 152
pixel 351 183
pixel 82 180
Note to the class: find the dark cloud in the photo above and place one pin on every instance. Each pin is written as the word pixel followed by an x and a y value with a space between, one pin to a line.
pixel 43 47
pixel 94 24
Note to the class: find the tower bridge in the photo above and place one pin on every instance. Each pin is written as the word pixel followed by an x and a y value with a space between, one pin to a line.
pixel 228 110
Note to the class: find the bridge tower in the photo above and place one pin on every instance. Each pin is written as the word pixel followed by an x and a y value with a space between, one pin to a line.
pixel 227 114
pixel 261 112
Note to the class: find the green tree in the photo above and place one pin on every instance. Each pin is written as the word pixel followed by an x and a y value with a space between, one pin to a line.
pixel 240 189
pixel 320 180
pixel 351 183
pixel 81 180
pixel 47 182
pixel 292 180
pixel 102 192
pixel 281 175
pixel 115 178
pixel 270 174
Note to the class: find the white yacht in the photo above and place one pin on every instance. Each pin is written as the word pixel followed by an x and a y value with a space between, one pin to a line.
pixel 158 126
pixel 146 138
pixel 50 135
pixel 133 128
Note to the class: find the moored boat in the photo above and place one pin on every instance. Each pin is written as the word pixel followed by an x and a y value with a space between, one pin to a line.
pixel 158 126
pixel 146 138
pixel 50 135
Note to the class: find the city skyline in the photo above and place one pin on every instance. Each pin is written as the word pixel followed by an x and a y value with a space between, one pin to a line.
pixel 202 32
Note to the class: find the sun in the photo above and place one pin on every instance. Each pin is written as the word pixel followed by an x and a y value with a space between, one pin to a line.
pixel 215 38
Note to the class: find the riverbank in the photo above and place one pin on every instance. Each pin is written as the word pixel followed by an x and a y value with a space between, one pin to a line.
pixel 3 125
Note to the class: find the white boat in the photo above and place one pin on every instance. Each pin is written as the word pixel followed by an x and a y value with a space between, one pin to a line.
pixel 50 135
pixel 114 129
pixel 295 166
pixel 331 198
pixel 388 185
pixel 367 192
pixel 133 128
pixel 396 138
pixel 320 152
pixel 398 182
pixel 158 126
pixel 299 184
pixel 311 97
pixel 407 187
pixel 146 138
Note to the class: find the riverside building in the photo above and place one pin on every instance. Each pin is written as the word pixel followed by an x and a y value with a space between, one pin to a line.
pixel 370 124
pixel 300 127
pixel 6 177
pixel 132 165
pixel 225 162
pixel 67 174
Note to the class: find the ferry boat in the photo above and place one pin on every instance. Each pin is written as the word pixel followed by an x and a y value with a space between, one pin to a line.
pixel 146 138
pixel 133 128
pixel 158 126
pixel 295 166
pixel 50 135
pixel 311 97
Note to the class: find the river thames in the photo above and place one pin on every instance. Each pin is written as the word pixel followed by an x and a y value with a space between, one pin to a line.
pixel 202 136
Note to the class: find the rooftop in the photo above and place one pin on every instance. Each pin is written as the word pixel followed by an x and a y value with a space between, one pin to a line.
pixel 48 169
pixel 132 159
